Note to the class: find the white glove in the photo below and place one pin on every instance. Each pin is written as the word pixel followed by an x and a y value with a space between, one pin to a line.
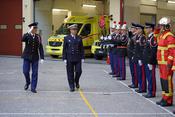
pixel 42 61
pixel 109 37
pixel 65 61
pixel 111 45
pixel 140 62
pixel 82 60
pixel 105 38
pixel 101 37
pixel 150 67
pixel 30 29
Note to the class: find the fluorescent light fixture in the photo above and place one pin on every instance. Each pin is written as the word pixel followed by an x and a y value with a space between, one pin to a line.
pixel 55 10
pixel 169 1
pixel 87 5
pixel 154 0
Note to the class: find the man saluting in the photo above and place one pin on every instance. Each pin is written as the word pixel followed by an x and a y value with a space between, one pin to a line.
pixel 73 56
pixel 33 48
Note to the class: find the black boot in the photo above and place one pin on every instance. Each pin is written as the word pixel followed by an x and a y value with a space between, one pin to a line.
pixel 26 86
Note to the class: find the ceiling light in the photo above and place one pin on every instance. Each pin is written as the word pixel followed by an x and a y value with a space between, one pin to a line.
pixel 169 1
pixel 54 10
pixel 154 0
pixel 87 5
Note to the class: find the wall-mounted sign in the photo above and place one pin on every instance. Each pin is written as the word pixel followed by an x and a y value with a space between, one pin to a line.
pixel 18 27
pixel 3 27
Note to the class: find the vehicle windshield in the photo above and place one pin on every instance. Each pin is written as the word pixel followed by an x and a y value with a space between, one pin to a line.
pixel 63 30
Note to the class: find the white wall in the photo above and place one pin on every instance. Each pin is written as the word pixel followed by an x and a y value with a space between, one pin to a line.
pixel 133 9
pixel 27 14
pixel 58 18
pixel 43 15
pixel 114 9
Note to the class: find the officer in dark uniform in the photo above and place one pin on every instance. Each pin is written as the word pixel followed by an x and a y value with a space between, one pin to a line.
pixel 130 48
pixel 122 51
pixel 73 56
pixel 33 48
pixel 149 60
pixel 111 57
pixel 138 58
pixel 115 40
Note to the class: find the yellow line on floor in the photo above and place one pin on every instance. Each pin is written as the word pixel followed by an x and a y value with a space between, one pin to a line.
pixel 87 103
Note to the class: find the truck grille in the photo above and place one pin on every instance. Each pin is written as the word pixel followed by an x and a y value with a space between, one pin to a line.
pixel 54 44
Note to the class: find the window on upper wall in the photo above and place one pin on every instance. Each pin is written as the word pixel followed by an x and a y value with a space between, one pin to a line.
pixel 147 18
pixel 86 30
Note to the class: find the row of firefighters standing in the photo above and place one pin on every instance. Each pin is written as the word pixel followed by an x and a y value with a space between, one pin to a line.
pixel 144 51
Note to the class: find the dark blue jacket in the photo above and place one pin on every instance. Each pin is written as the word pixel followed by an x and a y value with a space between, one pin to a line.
pixel 139 47
pixel 122 45
pixel 73 49
pixel 131 46
pixel 150 50
pixel 33 47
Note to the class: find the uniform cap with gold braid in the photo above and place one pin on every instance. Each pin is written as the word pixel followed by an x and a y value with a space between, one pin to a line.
pixel 73 26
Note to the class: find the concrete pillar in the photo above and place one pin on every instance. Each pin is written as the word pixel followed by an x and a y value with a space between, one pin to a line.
pixel 27 14
pixel 114 9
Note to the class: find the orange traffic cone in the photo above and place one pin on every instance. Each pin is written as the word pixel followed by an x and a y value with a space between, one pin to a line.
pixel 108 60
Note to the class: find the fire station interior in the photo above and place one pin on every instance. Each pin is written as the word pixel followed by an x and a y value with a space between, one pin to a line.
pixel 109 86
pixel 51 13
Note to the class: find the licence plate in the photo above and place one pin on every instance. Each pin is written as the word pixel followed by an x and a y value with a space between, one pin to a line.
pixel 101 52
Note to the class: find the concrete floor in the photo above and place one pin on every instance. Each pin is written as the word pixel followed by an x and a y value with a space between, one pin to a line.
pixel 101 96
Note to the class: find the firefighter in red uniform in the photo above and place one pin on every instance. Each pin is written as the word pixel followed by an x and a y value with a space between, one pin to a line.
pixel 173 65
pixel 166 45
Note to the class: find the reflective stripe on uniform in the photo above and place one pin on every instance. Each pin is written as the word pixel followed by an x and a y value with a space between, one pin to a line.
pixel 162 48
pixel 162 62
pixel 170 57
pixel 171 46
pixel 173 68
pixel 167 34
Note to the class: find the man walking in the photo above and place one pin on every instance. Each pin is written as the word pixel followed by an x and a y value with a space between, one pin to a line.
pixel 73 56
pixel 33 48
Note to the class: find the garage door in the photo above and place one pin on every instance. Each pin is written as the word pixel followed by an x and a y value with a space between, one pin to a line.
pixel 10 27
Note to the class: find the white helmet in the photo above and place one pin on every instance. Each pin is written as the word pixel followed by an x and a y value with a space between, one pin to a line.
pixel 164 21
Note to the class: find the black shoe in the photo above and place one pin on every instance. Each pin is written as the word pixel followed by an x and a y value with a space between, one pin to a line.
pixel 72 90
pixel 132 86
pixel 140 91
pixel 115 76
pixel 111 73
pixel 33 91
pixel 118 78
pixel 26 86
pixel 159 102
pixel 77 86
pixel 165 104
pixel 173 112
pixel 149 96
